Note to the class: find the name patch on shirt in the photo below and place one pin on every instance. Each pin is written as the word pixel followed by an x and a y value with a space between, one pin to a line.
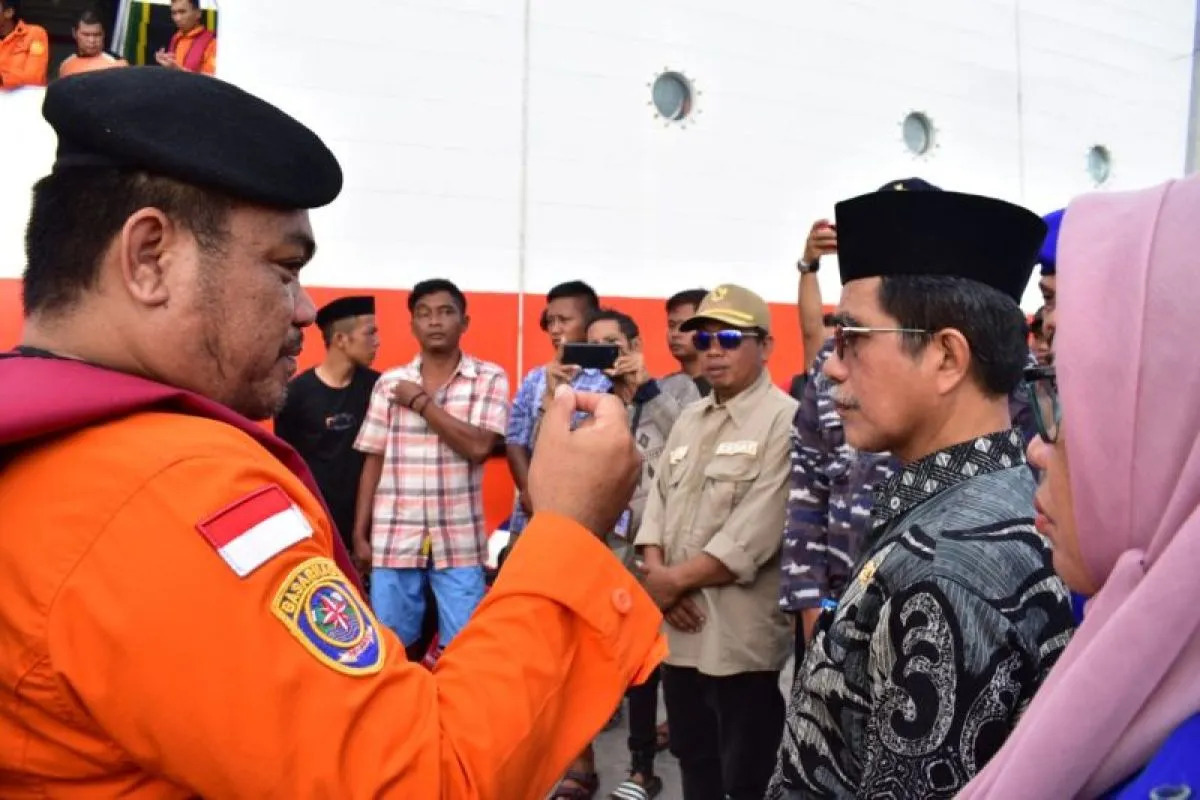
pixel 746 448
pixel 678 454
pixel 325 615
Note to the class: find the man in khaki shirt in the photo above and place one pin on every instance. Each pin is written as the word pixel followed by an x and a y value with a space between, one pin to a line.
pixel 710 539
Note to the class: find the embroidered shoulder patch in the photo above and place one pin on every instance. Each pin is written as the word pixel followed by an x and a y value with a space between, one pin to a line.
pixel 319 608
pixel 744 448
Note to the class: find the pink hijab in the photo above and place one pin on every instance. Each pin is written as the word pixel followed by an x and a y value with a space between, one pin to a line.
pixel 1128 355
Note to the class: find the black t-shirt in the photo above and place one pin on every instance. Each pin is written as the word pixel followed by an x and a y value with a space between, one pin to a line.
pixel 322 422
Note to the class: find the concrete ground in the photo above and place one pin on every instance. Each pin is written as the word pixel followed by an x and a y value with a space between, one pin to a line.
pixel 612 753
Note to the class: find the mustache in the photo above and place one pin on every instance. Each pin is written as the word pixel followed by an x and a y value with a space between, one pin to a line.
pixel 293 345
pixel 841 399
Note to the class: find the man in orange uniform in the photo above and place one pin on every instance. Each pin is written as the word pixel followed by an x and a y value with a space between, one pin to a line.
pixel 89 52
pixel 174 621
pixel 24 49
pixel 193 47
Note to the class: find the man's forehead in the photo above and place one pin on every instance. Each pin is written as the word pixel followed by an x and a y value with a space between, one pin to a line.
pixel 438 299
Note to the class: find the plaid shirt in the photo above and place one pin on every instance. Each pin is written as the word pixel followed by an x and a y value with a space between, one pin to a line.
pixel 527 406
pixel 426 488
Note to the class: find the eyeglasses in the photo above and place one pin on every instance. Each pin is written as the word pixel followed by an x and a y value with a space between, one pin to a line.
pixel 1041 386
pixel 726 340
pixel 844 336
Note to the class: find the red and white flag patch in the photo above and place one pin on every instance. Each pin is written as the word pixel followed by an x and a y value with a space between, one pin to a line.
pixel 256 528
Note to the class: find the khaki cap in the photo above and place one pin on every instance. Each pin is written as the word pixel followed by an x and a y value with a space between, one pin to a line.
pixel 731 305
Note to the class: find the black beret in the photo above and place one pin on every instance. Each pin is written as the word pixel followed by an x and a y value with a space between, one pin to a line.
pixel 938 233
pixel 344 307
pixel 194 128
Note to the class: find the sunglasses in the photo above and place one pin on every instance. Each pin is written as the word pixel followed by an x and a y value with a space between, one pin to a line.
pixel 844 336
pixel 726 340
pixel 1041 386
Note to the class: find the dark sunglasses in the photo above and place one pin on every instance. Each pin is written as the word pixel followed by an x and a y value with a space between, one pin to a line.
pixel 726 340
pixel 1041 387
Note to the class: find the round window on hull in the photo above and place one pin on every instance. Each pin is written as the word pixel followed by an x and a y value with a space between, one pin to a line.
pixel 673 96
pixel 920 136
pixel 1099 164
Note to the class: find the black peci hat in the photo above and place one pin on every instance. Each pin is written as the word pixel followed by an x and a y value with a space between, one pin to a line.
pixel 343 307
pixel 934 232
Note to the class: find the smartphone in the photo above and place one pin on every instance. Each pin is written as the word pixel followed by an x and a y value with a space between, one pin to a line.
pixel 590 356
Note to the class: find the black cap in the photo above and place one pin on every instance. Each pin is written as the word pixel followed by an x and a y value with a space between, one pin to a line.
pixel 194 128
pixel 344 307
pixel 909 185
pixel 938 233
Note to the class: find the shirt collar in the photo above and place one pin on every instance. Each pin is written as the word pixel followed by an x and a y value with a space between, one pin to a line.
pixel 742 405
pixel 928 477
pixel 467 366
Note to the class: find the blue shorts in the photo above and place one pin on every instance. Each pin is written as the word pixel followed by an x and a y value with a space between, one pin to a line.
pixel 398 599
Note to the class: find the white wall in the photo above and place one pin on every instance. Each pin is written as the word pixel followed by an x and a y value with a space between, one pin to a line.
pixel 800 106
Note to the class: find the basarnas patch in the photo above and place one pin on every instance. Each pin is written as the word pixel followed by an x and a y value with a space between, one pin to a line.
pixel 321 610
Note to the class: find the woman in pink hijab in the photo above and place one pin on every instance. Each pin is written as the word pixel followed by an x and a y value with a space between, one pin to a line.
pixel 1120 499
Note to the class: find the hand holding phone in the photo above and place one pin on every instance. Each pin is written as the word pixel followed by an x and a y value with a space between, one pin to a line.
pixel 590 356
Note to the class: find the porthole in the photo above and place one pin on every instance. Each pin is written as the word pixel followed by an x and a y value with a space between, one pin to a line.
pixel 918 132
pixel 1099 164
pixel 672 96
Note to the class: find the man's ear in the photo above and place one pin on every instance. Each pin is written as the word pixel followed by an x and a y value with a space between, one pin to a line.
pixel 635 345
pixel 149 246
pixel 952 352
pixel 466 323
pixel 768 346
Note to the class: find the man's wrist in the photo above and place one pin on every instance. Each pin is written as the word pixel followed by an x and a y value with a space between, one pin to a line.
pixel 806 267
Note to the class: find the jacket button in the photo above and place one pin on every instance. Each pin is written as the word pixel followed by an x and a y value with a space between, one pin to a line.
pixel 621 601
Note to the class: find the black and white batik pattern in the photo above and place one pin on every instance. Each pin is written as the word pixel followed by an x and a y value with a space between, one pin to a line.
pixel 952 620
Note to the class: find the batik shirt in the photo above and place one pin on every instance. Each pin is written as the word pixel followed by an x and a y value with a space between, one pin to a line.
pixel 829 505
pixel 948 626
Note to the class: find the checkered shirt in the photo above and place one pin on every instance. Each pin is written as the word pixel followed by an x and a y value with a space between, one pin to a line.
pixel 525 411
pixel 426 488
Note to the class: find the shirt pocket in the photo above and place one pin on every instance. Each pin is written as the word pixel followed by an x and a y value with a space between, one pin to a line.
pixel 727 479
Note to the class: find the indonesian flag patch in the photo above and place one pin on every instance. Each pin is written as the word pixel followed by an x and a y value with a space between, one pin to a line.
pixel 256 528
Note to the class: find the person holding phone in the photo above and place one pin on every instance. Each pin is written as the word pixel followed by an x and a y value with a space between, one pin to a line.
pixel 564 320
pixel 652 407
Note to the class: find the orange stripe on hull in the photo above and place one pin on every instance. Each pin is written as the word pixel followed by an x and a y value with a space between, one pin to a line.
pixel 492 336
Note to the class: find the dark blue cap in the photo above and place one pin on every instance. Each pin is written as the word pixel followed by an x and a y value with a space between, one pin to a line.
pixel 1048 256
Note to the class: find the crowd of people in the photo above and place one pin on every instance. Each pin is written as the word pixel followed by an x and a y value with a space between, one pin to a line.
pixel 979 602
pixel 25 46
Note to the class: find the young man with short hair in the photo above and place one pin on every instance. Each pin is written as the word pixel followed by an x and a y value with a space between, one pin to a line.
pixel 193 47
pixel 568 307
pixel 326 405
pixel 430 426
pixel 680 308
pixel 89 54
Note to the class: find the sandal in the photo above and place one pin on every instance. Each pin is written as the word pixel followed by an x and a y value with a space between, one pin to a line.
pixel 587 784
pixel 662 737
pixel 629 789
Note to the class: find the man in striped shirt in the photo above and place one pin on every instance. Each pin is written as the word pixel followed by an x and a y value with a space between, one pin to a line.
pixel 430 426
